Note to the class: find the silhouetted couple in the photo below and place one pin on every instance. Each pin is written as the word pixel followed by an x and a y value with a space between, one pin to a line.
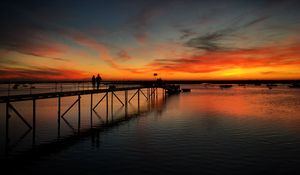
pixel 96 81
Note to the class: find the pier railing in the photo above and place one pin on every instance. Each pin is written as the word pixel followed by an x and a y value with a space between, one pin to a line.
pixel 36 87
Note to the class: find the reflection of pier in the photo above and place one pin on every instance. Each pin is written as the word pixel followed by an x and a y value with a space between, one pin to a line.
pixel 142 92
pixel 154 104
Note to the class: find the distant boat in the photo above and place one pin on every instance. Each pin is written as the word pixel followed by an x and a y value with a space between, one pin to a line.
pixel 294 85
pixel 270 86
pixel 16 86
pixel 172 89
pixel 186 90
pixel 225 86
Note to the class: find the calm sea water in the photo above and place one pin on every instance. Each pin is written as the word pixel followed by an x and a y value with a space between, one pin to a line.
pixel 209 131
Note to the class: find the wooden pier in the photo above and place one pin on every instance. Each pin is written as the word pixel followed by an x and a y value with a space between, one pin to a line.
pixel 147 92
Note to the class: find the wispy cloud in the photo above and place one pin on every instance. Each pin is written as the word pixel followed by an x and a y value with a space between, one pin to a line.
pixel 103 50
pixel 253 22
pixel 41 73
pixel 186 33
pixel 26 29
pixel 222 60
pixel 142 20
pixel 32 41
pixel 123 55
pixel 214 41
pixel 86 41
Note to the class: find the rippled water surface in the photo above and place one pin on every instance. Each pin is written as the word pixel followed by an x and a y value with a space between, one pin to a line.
pixel 209 130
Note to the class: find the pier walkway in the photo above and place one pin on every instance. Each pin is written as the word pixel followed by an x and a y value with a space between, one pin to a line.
pixel 148 92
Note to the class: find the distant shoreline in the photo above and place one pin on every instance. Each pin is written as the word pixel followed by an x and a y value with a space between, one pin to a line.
pixel 152 81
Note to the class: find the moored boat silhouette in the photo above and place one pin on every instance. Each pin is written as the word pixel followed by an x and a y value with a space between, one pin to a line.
pixel 270 86
pixel 223 86
pixel 186 90
pixel 294 85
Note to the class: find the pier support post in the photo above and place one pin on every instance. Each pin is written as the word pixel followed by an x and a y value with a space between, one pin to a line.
pixel 118 98
pixel 126 103
pixel 133 95
pixel 107 107
pixel 152 94
pixel 66 121
pixel 91 111
pixel 100 101
pixel 149 99
pixel 10 106
pixel 7 127
pixel 143 94
pixel 33 121
pixel 138 100
pixel 112 105
pixel 79 114
pixel 8 116
pixel 58 118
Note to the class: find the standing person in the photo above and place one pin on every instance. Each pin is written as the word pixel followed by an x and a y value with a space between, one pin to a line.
pixel 93 81
pixel 98 80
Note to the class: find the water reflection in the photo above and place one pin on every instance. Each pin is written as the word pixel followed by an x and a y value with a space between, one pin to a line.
pixel 279 107
pixel 250 102
pixel 208 131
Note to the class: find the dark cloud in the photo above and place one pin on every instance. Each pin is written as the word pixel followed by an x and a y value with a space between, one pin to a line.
pixel 215 41
pixel 123 55
pixel 208 42
pixel 27 29
pixel 178 60
pixel 40 73
pixel 216 61
pixel 40 54
pixel 149 11
pixel 186 33
pixel 42 51
pixel 255 21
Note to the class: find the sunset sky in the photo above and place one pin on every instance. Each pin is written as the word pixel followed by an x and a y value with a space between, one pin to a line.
pixel 132 39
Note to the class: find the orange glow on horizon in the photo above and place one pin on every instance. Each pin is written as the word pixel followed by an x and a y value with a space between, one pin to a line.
pixel 271 62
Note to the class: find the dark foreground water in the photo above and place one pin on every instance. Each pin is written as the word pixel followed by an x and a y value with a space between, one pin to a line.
pixel 208 131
